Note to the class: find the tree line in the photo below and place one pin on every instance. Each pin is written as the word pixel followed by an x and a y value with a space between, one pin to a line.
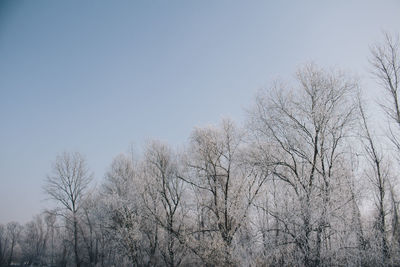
pixel 308 180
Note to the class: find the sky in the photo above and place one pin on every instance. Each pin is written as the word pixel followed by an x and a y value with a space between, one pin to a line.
pixel 100 77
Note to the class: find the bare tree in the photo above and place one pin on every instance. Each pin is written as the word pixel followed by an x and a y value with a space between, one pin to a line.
pixel 379 178
pixel 386 68
pixel 162 183
pixel 385 63
pixel 3 245
pixel 35 241
pixel 225 187
pixel 67 184
pixel 13 231
pixel 122 205
pixel 300 133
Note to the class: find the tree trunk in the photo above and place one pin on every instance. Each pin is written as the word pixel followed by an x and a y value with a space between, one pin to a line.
pixel 77 261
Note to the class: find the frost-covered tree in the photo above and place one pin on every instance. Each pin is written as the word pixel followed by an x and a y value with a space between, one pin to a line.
pixel 385 62
pixel 13 231
pixel 34 241
pixel 122 208
pixel 301 134
pixel 163 194
pixel 4 244
pixel 67 185
pixel 224 186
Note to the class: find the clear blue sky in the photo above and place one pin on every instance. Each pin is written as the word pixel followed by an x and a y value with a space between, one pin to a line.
pixel 98 76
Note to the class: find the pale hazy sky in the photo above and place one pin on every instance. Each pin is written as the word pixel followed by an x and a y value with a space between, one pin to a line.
pixel 98 76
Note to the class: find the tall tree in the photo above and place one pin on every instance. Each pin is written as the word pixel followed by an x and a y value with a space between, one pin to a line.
pixel 122 205
pixel 162 184
pixel 13 230
pixel 385 61
pixel 4 243
pixel 34 241
pixel 67 184
pixel 225 187
pixel 300 133
pixel 379 179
